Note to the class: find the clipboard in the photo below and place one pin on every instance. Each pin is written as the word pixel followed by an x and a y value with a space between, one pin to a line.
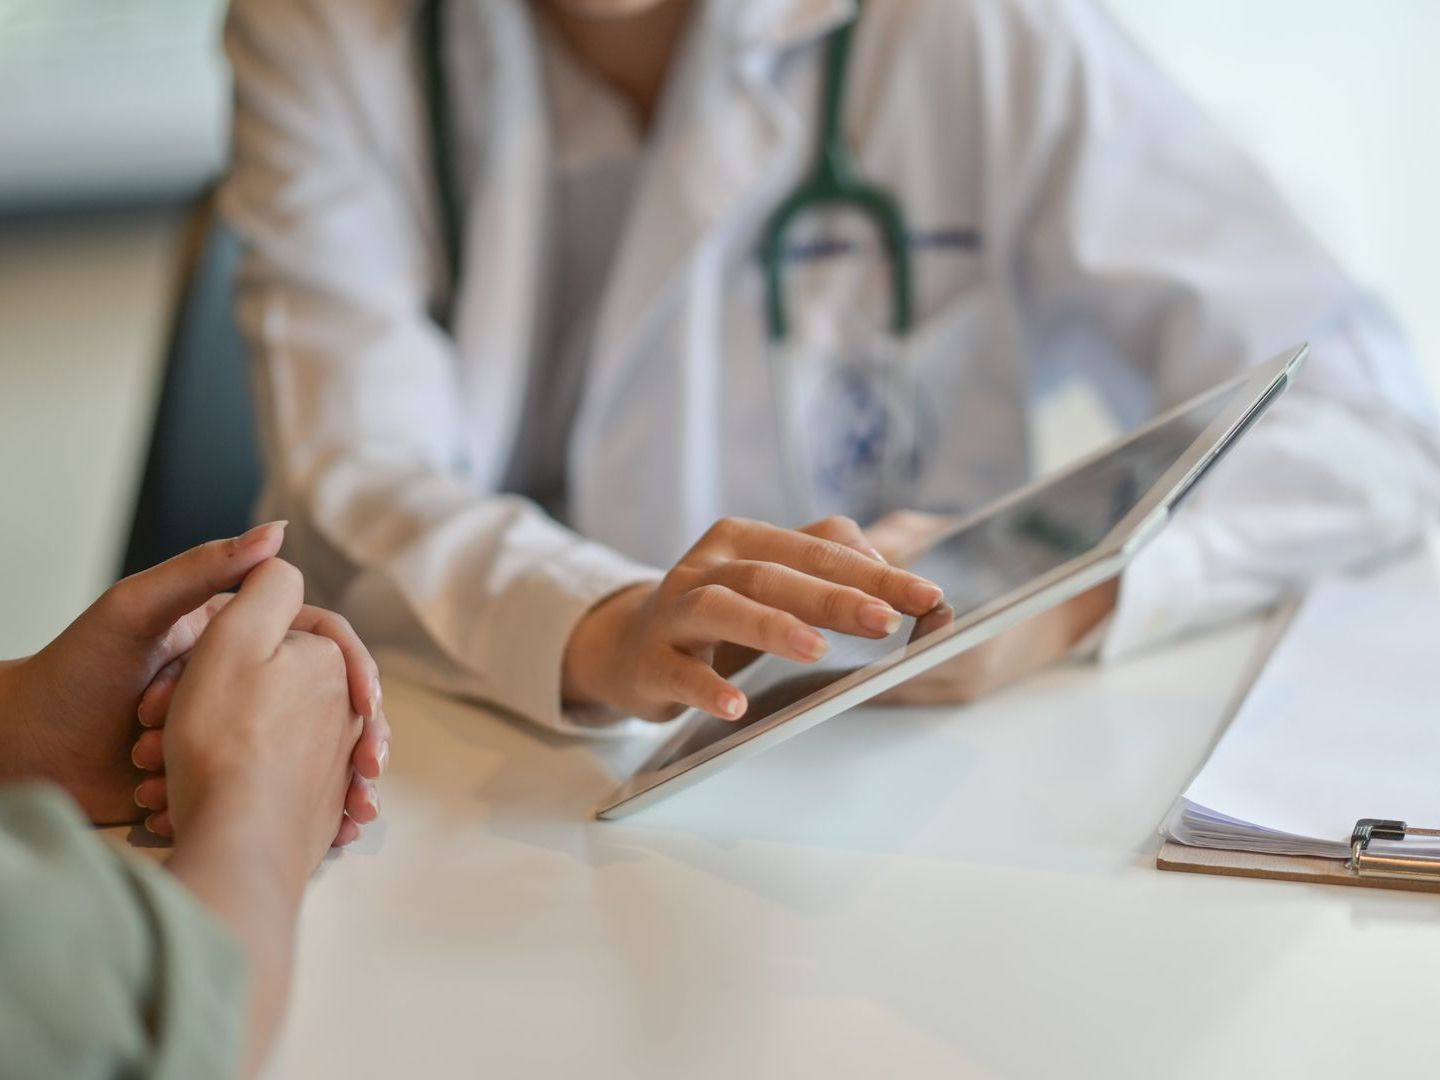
pixel 1384 853
pixel 1387 866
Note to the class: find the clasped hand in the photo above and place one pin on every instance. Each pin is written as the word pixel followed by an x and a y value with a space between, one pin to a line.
pixel 74 706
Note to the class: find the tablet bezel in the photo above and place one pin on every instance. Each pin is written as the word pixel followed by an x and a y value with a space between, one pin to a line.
pixel 1261 385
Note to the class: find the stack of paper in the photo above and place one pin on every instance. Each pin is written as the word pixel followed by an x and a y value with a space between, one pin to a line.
pixel 1341 724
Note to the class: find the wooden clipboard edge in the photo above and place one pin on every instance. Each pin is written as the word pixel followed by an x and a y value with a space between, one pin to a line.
pixel 1197 860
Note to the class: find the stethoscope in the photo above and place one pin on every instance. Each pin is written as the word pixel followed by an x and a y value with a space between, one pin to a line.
pixel 833 181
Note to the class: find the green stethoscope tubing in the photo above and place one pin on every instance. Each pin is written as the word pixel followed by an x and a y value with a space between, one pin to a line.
pixel 833 181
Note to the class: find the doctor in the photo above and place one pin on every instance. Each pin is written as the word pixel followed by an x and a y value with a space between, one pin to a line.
pixel 513 356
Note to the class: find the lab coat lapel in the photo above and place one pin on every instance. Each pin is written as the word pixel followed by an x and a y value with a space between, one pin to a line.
pixel 394 110
pixel 500 142
pixel 504 159
pixel 727 144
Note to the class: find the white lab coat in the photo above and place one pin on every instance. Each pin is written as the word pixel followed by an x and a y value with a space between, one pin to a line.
pixel 1074 212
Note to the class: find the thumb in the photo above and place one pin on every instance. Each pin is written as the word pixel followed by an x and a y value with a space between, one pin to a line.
pixel 147 604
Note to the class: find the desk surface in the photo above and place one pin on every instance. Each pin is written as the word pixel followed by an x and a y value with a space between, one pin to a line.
pixel 926 893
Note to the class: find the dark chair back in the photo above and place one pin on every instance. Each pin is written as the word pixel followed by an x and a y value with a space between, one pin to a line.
pixel 202 472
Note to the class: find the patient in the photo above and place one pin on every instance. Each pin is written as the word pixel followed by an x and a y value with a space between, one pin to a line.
pixel 272 738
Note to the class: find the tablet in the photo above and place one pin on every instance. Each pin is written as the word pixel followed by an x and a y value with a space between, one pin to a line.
pixel 1031 550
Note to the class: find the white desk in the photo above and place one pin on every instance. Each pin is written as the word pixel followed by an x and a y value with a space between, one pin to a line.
pixel 931 893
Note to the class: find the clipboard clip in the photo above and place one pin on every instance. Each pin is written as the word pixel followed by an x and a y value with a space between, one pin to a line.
pixel 1392 863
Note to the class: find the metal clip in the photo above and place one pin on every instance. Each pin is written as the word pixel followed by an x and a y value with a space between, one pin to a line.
pixel 1392 864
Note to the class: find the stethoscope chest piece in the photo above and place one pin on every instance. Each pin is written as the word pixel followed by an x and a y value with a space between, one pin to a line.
pixel 852 426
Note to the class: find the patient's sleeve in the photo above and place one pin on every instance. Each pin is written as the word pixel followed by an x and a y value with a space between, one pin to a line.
pixel 108 967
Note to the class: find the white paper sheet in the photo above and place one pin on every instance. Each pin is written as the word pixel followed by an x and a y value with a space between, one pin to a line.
pixel 1342 724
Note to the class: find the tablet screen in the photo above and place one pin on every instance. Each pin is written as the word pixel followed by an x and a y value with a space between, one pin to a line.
pixel 994 555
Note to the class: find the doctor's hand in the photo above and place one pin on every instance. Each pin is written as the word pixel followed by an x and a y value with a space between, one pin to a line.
pixel 746 588
pixel 1012 655
pixel 1008 657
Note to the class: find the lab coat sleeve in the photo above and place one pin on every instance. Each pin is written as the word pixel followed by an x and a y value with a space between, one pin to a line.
pixel 107 966
pixel 472 591
pixel 1153 253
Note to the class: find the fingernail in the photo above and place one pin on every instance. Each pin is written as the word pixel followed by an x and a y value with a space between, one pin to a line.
pixel 373 702
pixel 139 801
pixel 925 595
pixel 732 705
pixel 808 644
pixel 133 759
pixel 150 825
pixel 875 554
pixel 258 533
pixel 880 617
pixel 374 798
pixel 383 757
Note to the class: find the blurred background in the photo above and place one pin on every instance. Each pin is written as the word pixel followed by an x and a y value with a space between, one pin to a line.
pixel 113 125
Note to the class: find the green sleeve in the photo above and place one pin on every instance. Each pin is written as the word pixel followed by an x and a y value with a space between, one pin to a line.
pixel 108 968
